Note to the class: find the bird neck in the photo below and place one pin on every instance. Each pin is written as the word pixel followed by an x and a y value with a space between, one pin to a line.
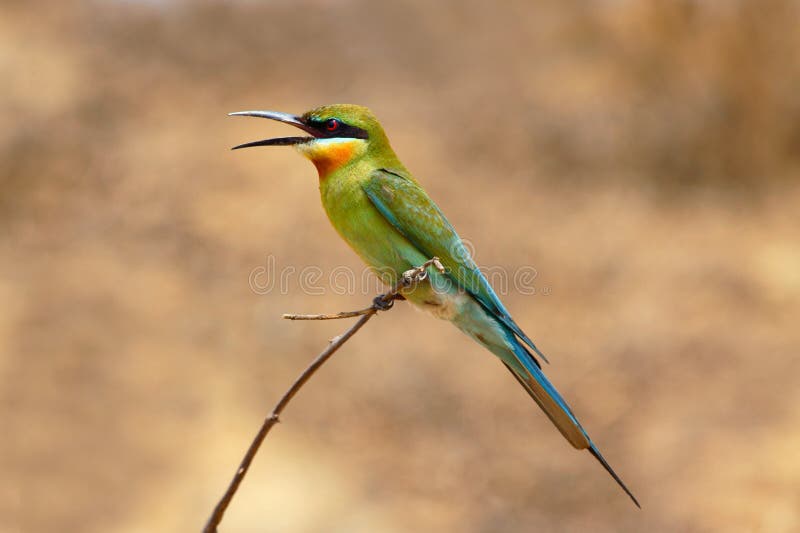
pixel 330 155
pixel 333 155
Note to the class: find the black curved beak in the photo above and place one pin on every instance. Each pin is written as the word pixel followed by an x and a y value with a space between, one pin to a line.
pixel 280 117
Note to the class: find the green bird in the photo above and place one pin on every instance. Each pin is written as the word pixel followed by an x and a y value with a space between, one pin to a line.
pixel 388 219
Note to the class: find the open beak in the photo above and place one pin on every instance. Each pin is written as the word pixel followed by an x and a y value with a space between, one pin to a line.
pixel 280 117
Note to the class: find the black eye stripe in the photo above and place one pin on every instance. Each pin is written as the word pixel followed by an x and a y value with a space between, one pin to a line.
pixel 343 129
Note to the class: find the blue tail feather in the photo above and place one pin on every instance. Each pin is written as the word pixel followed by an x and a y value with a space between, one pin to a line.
pixel 556 408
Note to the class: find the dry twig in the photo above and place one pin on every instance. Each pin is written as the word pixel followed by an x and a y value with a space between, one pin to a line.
pixel 381 303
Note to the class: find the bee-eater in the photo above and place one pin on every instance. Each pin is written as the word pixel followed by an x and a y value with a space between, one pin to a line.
pixel 388 219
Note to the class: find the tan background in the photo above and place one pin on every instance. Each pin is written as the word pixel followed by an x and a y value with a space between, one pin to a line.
pixel 642 156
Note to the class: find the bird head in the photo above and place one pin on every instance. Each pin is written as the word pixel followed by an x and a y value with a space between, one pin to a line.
pixel 338 135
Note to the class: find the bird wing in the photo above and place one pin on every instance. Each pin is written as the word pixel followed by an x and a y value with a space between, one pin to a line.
pixel 411 211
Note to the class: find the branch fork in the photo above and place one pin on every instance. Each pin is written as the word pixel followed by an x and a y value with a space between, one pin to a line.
pixel 384 302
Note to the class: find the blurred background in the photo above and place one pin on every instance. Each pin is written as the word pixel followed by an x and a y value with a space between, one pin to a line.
pixel 642 156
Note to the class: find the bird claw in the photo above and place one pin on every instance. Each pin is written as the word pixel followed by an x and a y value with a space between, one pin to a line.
pixel 415 275
pixel 382 305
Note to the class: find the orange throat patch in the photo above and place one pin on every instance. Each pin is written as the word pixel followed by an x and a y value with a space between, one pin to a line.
pixel 329 155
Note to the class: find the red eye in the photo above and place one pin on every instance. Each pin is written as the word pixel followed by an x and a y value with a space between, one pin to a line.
pixel 332 124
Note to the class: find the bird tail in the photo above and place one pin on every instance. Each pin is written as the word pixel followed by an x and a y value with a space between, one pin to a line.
pixel 530 376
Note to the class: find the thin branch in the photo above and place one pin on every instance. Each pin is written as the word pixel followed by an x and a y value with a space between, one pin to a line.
pixel 333 316
pixel 381 303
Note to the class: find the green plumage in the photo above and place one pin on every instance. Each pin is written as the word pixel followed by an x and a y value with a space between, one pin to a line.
pixel 386 217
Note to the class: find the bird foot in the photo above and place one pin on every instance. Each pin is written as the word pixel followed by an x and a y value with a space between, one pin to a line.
pixel 381 304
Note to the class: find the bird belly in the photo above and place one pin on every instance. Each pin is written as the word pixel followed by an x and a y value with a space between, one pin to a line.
pixel 387 252
pixel 443 305
pixel 464 312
